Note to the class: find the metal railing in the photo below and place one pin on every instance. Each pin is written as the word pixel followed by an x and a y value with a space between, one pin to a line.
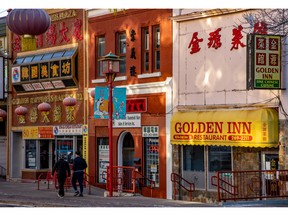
pixel 48 179
pixel 251 185
pixel 182 183
pixel 127 179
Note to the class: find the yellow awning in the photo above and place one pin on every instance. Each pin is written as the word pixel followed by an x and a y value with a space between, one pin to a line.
pixel 244 128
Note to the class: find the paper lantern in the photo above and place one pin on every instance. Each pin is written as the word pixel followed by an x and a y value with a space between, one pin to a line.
pixel 44 107
pixel 3 113
pixel 21 110
pixel 69 101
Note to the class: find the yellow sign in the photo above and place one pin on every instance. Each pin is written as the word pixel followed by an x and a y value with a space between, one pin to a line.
pixel 245 128
pixel 30 133
pixel 85 143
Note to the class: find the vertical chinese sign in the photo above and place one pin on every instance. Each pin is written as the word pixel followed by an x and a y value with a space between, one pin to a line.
pixel 266 61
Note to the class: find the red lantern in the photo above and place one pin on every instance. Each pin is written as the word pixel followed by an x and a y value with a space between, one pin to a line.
pixel 69 101
pixel 92 93
pixel 21 110
pixel 3 113
pixel 44 107
pixel 28 21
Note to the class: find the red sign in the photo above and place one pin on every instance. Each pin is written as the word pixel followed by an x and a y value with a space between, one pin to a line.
pixel 136 105
pixel 45 132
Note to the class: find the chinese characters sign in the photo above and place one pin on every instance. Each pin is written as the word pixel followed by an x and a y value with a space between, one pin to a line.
pixel 267 61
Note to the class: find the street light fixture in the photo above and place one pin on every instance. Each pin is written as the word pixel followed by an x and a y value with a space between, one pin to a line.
pixel 110 65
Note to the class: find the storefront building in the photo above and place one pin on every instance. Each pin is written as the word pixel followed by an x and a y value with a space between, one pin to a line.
pixel 3 96
pixel 143 40
pixel 47 113
pixel 221 122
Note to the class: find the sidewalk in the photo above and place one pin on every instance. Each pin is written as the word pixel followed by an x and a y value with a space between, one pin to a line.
pixel 27 194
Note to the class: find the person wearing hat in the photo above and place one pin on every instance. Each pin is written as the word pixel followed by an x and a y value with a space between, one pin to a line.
pixel 62 168
pixel 79 165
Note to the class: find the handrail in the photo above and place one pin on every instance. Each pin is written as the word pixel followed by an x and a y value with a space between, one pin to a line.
pixel 143 177
pixel 221 181
pixel 88 180
pixel 177 179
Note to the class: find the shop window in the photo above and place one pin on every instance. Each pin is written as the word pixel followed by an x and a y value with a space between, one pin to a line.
pixel 65 148
pixel 121 50
pixel 103 158
pixel 30 149
pixel 156 48
pixel 202 162
pixel 100 40
pixel 151 150
pixel 219 158
pixel 44 154
pixel 151 49
pixel 193 158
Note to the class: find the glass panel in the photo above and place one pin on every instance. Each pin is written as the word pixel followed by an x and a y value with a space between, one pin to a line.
pixel 219 158
pixel 146 61
pixel 58 54
pixel 18 60
pixel 103 158
pixel 146 38
pixel 193 165
pixel 47 56
pixel 157 56
pixel 123 65
pixel 28 59
pixel 152 159
pixel 44 154
pixel 101 52
pixel 37 58
pixel 30 158
pixel 65 149
pixel 122 44
pixel 69 53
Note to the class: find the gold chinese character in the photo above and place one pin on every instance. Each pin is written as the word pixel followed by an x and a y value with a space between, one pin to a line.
pixel 25 73
pixel 54 70
pixel 33 115
pixel 44 71
pixel 57 113
pixel 66 68
pixel 34 71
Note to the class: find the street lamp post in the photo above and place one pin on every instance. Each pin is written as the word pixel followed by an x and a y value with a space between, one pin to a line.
pixel 110 67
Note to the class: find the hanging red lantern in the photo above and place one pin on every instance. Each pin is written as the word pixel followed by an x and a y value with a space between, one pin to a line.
pixel 3 113
pixel 69 101
pixel 44 107
pixel 28 21
pixel 21 110
pixel 92 93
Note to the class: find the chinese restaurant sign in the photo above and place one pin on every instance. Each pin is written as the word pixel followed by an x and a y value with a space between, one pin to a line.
pixel 267 61
pixel 244 128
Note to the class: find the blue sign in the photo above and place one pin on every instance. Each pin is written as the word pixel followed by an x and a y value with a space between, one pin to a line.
pixel 102 99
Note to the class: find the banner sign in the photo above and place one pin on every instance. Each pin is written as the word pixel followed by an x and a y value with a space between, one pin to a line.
pixel 267 61
pixel 102 100
pixel 244 128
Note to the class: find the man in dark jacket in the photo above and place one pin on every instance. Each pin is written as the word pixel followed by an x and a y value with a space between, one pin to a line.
pixel 63 170
pixel 79 165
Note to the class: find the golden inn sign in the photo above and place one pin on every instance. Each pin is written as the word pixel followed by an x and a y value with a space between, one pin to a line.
pixel 45 71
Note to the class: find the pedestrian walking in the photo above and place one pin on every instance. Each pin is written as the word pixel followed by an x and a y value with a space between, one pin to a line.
pixel 62 168
pixel 79 165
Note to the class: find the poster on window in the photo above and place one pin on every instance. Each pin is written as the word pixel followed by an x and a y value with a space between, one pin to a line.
pixel 103 162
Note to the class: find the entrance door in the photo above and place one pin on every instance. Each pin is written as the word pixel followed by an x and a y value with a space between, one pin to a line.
pixel 270 162
pixel 128 150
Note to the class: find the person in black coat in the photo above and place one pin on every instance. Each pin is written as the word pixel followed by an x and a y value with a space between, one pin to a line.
pixel 63 170
pixel 79 165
